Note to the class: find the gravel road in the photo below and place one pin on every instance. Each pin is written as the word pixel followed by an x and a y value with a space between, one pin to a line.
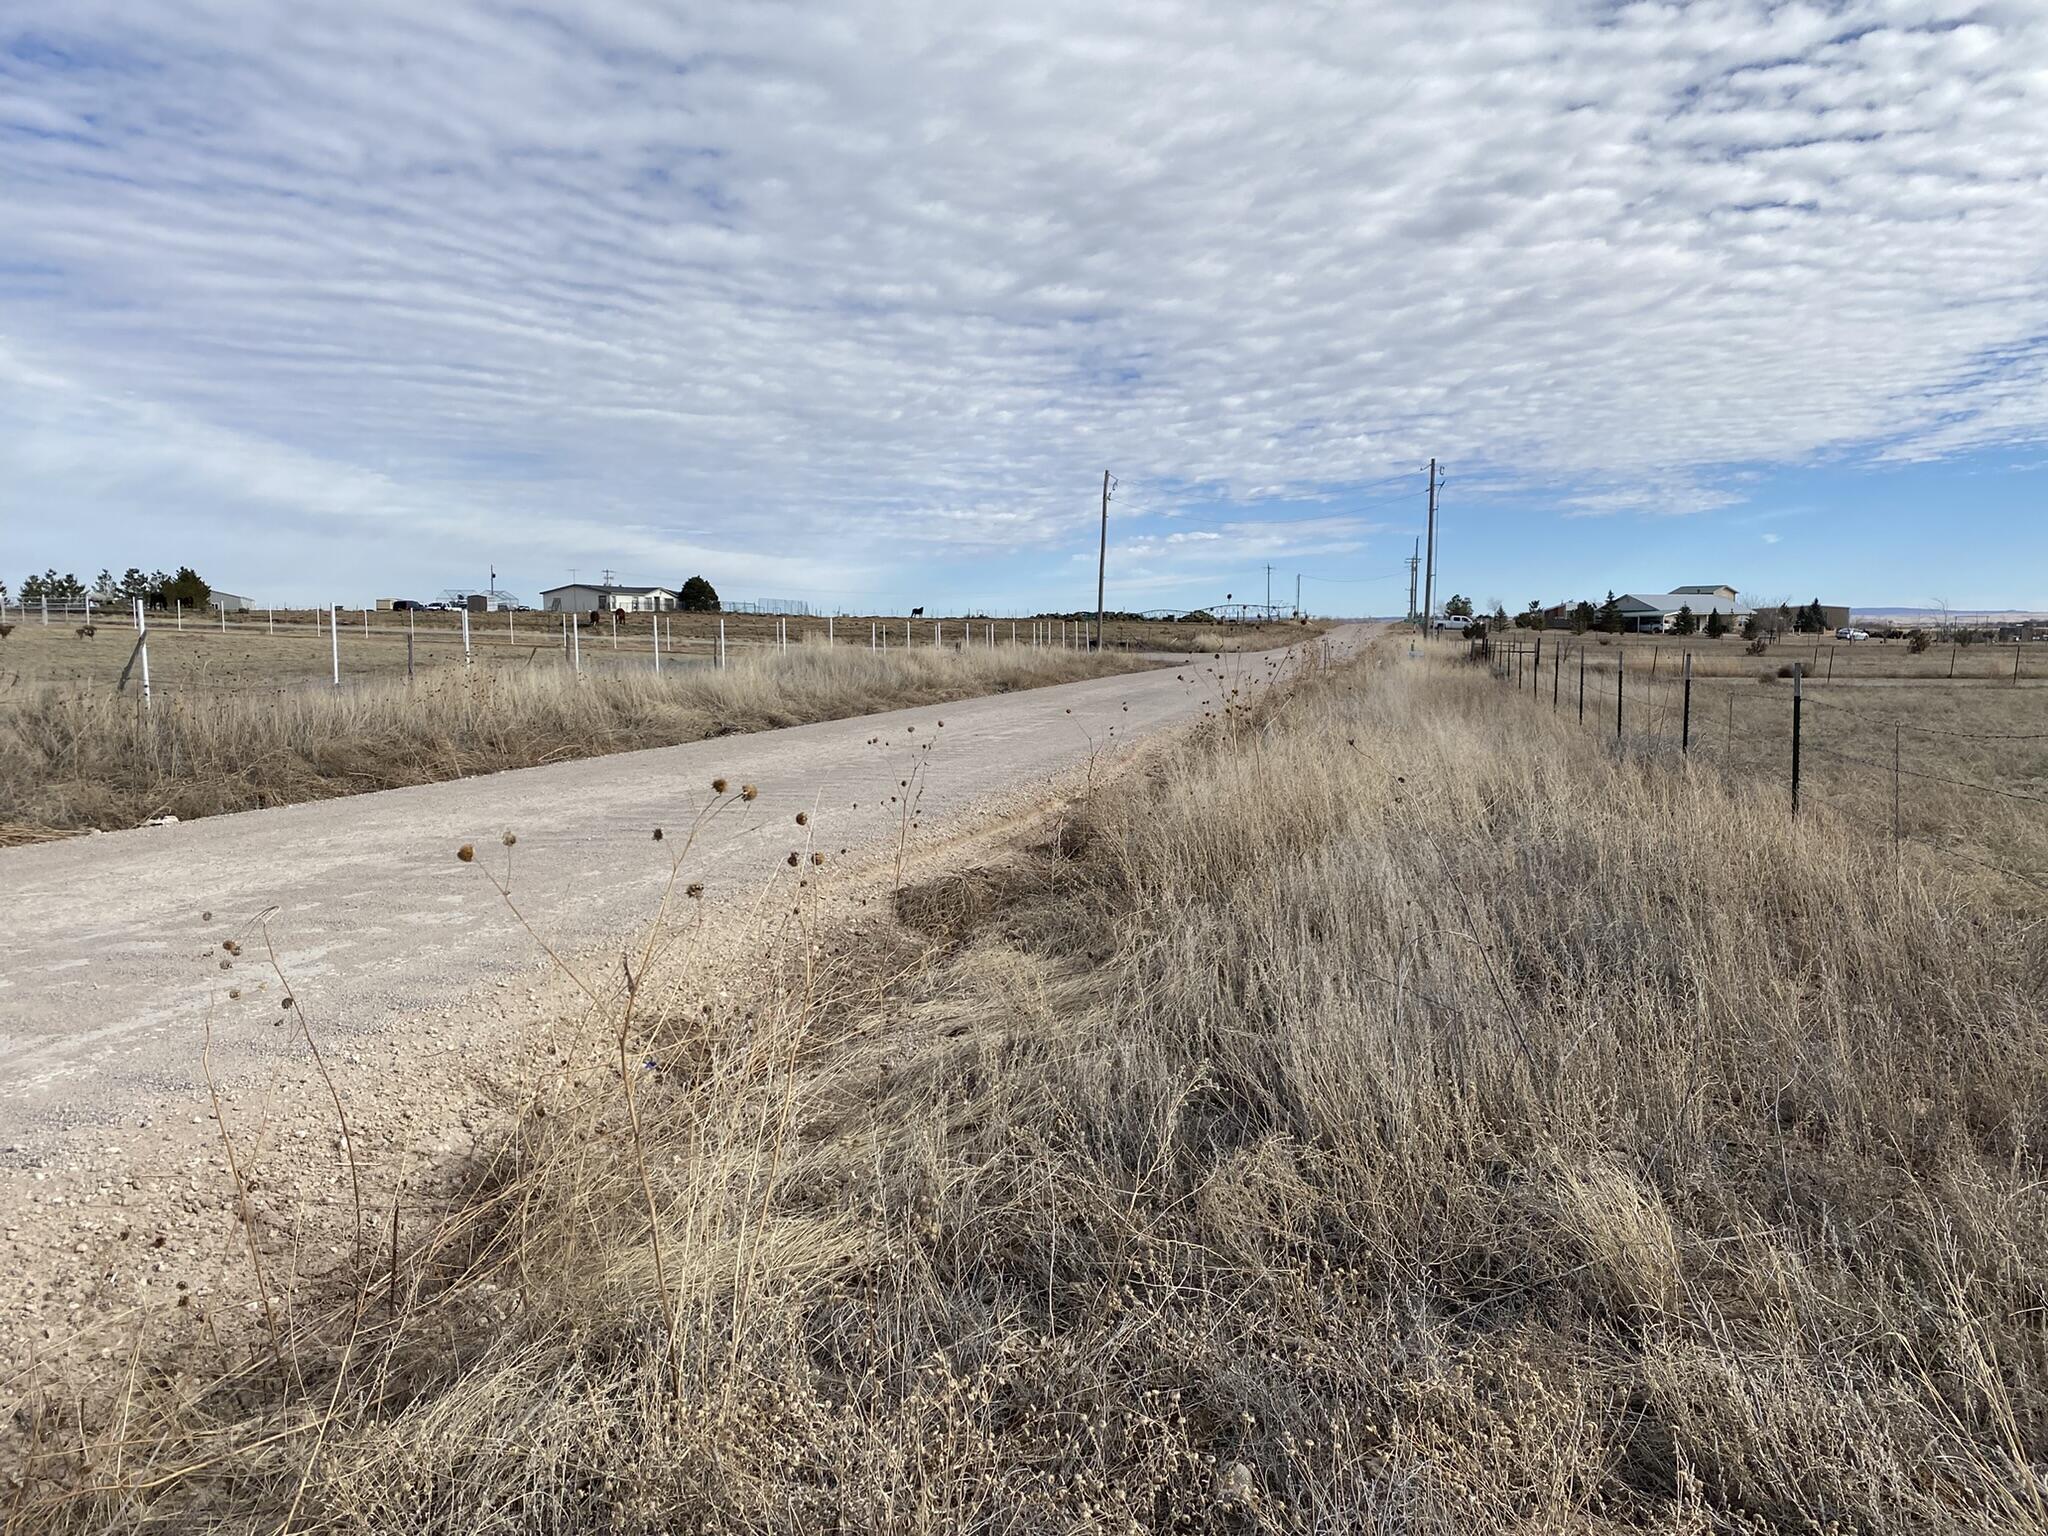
pixel 110 946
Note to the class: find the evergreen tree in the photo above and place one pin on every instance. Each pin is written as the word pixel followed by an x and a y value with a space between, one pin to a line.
pixel 1583 616
pixel 187 587
pixel 698 596
pixel 1610 615
pixel 1458 606
pixel 1687 622
pixel 1716 625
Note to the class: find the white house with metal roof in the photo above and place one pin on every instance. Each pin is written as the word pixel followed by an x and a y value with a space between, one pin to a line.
pixel 586 596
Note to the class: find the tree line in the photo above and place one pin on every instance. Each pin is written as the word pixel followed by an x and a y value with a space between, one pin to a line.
pixel 1606 618
pixel 157 589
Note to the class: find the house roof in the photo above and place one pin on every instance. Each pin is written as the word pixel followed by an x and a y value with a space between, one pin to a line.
pixel 1670 602
pixel 599 586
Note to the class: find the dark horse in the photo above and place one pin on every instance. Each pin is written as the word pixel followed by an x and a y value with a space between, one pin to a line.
pixel 917 613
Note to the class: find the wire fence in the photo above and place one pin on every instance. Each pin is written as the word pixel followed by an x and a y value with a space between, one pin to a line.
pixel 1974 790
pixel 154 653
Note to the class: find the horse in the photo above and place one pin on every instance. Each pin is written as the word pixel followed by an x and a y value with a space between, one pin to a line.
pixel 917 613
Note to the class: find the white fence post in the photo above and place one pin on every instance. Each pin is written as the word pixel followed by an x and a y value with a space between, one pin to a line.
pixel 142 644
pixel 46 612
pixel 657 645
pixel 615 628
pixel 576 643
pixel 466 658
pixel 272 610
pixel 721 642
pixel 874 630
pixel 366 623
pixel 828 629
pixel 334 639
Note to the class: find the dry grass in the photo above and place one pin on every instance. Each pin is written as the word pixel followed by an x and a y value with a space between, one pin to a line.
pixel 1822 656
pixel 254 654
pixel 1959 769
pixel 1380 1118
pixel 71 760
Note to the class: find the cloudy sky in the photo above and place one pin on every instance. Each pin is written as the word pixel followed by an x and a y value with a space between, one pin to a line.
pixel 856 303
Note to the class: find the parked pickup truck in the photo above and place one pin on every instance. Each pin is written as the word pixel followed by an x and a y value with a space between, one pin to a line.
pixel 1849 632
pixel 1459 622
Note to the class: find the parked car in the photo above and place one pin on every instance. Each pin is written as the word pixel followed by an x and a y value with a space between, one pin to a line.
pixel 407 605
pixel 1848 632
pixel 435 608
pixel 1459 622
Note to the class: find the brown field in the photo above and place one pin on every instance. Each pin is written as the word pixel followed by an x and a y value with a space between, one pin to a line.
pixel 1391 1110
pixel 1823 656
pixel 255 654
pixel 1955 768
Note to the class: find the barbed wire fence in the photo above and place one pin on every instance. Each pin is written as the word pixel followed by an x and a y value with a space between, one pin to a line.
pixel 1866 765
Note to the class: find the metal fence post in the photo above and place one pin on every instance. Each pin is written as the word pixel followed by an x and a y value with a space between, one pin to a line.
pixel 334 639
pixel 1685 720
pixel 1895 792
pixel 1582 685
pixel 1556 676
pixel 721 644
pixel 1797 701
pixel 1620 676
pixel 466 657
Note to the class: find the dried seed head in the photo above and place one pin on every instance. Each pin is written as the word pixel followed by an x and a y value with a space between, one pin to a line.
pixel 509 839
pixel 792 864
pixel 694 889
pixel 657 834
pixel 466 853
pixel 803 818
pixel 748 792
pixel 287 1003
pixel 718 786
pixel 817 858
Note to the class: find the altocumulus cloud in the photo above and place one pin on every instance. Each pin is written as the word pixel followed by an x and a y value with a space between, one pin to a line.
pixel 809 292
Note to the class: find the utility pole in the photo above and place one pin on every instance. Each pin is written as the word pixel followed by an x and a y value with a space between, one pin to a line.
pixel 1297 594
pixel 1269 591
pixel 1102 557
pixel 1429 566
pixel 1414 563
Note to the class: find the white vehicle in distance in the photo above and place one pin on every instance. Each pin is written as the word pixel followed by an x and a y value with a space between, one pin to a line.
pixel 1459 622
pixel 1848 632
